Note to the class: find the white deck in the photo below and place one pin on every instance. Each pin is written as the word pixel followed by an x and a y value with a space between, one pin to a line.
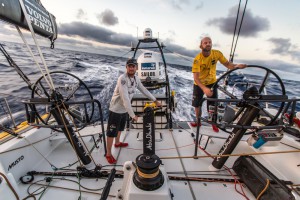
pixel 59 152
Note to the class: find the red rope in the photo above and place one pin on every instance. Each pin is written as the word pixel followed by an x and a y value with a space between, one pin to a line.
pixel 236 181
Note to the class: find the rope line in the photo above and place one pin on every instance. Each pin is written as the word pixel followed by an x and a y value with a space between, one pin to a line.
pixel 232 155
pixel 10 186
pixel 33 57
pixel 36 42
pixel 264 190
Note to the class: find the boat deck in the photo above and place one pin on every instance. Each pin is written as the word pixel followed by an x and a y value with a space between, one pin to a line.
pixel 176 143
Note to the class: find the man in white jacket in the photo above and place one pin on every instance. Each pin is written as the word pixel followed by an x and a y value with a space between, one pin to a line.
pixel 120 105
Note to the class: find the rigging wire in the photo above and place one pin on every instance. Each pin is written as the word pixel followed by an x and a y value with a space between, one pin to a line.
pixel 236 20
pixel 235 38
pixel 125 53
pixel 239 29
pixel 181 56
pixel 15 66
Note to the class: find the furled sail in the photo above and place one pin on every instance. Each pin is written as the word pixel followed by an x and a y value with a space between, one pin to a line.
pixel 42 21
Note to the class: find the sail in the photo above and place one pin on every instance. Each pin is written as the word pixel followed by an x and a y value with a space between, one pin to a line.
pixel 43 22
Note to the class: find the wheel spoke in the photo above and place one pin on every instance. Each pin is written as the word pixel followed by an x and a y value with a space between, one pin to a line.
pixel 67 86
pixel 222 89
pixel 73 92
pixel 264 82
pixel 249 93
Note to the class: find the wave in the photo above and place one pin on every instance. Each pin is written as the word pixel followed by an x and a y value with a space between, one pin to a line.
pixel 100 73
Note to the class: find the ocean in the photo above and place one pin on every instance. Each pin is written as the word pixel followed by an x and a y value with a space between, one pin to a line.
pixel 100 73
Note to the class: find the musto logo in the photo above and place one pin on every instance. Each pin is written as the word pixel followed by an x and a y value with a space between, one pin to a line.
pixel 15 162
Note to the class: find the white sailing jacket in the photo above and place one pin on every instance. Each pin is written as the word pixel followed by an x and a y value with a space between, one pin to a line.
pixel 124 91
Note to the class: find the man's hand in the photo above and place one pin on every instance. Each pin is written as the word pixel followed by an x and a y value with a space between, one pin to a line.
pixel 241 66
pixel 207 91
pixel 157 103
pixel 135 118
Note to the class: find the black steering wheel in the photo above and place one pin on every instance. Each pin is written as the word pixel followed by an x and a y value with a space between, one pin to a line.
pixel 68 88
pixel 267 79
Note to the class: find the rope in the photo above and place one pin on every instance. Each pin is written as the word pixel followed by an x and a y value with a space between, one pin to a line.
pixel 30 144
pixel 57 187
pixel 36 42
pixel 153 175
pixel 264 190
pixel 231 155
pixel 3 152
pixel 184 170
pixel 81 138
pixel 162 149
pixel 71 141
pixel 10 186
pixel 32 55
pixel 236 181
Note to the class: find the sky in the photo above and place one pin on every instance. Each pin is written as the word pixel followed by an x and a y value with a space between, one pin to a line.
pixel 269 33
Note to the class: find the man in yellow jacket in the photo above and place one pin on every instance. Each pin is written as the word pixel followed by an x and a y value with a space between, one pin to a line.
pixel 205 74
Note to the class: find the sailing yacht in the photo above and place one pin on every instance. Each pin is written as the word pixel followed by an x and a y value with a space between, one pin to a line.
pixel 59 151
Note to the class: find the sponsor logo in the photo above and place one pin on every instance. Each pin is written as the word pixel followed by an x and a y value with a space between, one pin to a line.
pixel 15 162
pixel 225 145
pixel 148 55
pixel 38 17
pixel 148 73
pixel 148 66
pixel 213 62
pixel 149 137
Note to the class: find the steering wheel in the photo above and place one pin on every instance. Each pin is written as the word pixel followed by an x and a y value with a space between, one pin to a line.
pixel 68 88
pixel 268 80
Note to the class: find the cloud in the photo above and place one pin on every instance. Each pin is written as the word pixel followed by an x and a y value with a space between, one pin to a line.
pixel 179 49
pixel 81 14
pixel 251 26
pixel 284 46
pixel 108 18
pixel 177 4
pixel 103 35
pixel 95 33
pixel 199 6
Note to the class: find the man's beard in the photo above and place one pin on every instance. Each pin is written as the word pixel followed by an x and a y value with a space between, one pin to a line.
pixel 131 73
pixel 207 49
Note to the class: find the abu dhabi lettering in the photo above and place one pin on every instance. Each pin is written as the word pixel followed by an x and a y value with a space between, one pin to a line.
pixel 149 136
pixel 225 146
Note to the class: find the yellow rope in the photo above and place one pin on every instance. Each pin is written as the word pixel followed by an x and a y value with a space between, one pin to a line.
pixel 264 190
pixel 147 175
pixel 229 155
